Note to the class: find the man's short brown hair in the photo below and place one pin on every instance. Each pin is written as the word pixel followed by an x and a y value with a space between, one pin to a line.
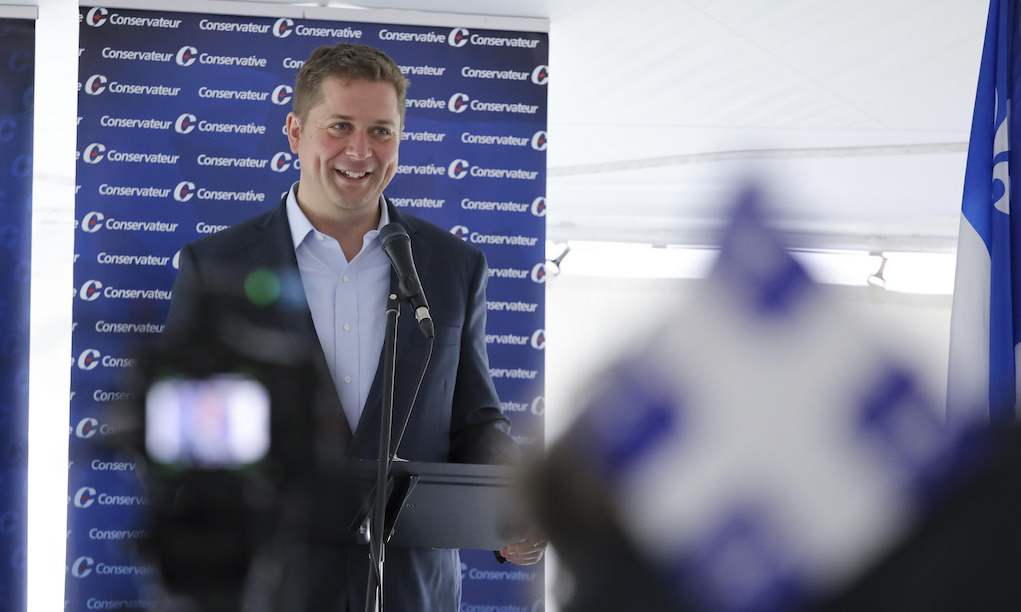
pixel 347 62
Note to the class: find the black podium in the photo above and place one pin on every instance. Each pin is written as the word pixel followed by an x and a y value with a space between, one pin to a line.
pixel 446 505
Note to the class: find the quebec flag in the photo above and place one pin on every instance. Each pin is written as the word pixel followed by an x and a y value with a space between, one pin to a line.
pixel 985 329
pixel 756 453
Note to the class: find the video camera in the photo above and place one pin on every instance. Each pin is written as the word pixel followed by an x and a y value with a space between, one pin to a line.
pixel 239 461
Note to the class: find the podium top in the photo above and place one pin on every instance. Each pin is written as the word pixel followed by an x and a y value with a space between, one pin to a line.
pixel 453 505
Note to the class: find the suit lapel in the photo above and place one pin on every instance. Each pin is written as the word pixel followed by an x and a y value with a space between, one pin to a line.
pixel 271 247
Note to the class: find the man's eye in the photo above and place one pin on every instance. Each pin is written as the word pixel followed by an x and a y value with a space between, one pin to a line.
pixel 339 126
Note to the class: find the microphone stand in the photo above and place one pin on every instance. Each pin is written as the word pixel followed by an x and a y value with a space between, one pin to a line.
pixel 377 526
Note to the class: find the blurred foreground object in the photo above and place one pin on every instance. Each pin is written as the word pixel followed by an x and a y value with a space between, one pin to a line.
pixel 227 429
pixel 759 453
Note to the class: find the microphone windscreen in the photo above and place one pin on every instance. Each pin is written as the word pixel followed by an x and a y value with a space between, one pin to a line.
pixel 392 231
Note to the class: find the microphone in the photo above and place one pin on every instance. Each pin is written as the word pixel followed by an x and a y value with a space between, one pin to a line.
pixel 397 246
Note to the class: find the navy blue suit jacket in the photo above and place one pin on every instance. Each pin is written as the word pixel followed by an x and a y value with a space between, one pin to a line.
pixel 457 416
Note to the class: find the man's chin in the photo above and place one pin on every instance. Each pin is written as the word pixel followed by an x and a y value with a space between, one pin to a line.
pixel 351 203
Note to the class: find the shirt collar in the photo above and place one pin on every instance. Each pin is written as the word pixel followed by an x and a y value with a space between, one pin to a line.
pixel 301 226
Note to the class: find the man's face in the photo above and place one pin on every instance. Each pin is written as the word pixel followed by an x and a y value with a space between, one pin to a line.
pixel 347 147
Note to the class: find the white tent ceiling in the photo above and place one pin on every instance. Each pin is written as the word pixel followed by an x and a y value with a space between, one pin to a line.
pixel 855 115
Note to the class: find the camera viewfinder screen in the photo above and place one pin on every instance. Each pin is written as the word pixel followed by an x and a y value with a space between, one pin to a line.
pixel 212 423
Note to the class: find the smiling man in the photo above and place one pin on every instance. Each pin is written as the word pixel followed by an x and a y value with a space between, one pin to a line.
pixel 345 127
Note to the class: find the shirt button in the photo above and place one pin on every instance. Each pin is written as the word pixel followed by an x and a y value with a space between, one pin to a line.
pixel 347 328
pixel 320 237
pixel 345 279
pixel 347 379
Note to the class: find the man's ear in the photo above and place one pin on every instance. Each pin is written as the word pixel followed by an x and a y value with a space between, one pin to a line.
pixel 293 129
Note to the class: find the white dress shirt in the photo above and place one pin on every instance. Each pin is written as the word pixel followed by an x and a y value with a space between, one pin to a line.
pixel 347 300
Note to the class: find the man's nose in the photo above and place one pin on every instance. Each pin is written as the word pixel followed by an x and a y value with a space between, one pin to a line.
pixel 358 146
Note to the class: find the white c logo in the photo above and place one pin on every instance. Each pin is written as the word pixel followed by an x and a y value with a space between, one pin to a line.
pixel 458 37
pixel 95 85
pixel 458 169
pixel 87 428
pixel 282 95
pixel 540 76
pixel 90 291
pixel 185 123
pixel 184 191
pixel 89 359
pixel 540 140
pixel 282 28
pixel 85 497
pixel 539 206
pixel 281 162
pixel 96 17
pixel 93 153
pixel 458 103
pixel 82 567
pixel 186 56
pixel 92 222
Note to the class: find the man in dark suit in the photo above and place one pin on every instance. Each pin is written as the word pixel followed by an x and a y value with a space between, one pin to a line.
pixel 346 126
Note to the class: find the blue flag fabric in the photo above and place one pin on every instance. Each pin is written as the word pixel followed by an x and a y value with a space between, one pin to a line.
pixel 986 320
pixel 761 448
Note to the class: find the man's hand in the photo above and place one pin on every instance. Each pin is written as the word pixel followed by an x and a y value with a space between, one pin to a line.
pixel 526 552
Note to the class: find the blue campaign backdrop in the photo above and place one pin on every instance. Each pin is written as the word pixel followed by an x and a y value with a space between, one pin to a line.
pixel 180 133
pixel 17 73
